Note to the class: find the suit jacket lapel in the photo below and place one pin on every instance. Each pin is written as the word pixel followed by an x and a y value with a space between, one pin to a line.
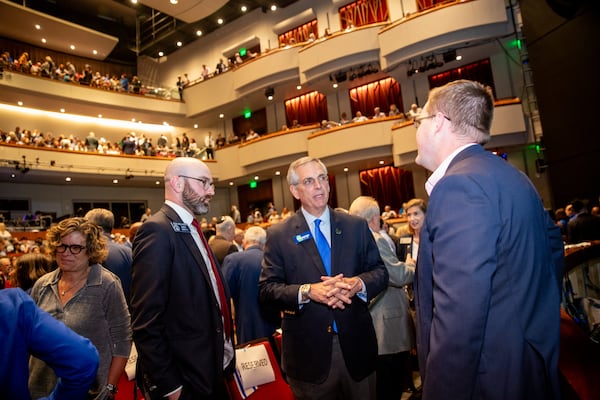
pixel 189 242
pixel 309 245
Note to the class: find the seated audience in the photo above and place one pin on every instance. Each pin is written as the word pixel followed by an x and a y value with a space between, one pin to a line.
pixel 377 113
pixel 414 111
pixel 359 117
pixel 582 226
pixel 388 213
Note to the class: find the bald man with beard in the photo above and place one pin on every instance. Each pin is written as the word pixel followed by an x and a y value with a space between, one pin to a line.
pixel 180 315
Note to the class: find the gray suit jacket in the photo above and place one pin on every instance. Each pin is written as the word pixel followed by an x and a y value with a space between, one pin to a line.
pixel 389 311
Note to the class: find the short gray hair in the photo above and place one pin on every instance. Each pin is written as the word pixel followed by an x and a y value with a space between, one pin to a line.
pixel 102 217
pixel 255 234
pixel 292 176
pixel 365 207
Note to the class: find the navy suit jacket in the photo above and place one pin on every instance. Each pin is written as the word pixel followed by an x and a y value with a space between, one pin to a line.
pixel 176 320
pixel 242 270
pixel 292 259
pixel 487 285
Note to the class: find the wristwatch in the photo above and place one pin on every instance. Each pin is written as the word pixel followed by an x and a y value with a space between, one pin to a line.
pixel 304 291
pixel 113 389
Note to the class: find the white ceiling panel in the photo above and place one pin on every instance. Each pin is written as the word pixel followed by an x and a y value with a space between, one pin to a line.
pixel 186 10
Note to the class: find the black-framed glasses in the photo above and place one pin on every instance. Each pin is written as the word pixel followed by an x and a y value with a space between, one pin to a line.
pixel 417 120
pixel 73 248
pixel 206 183
pixel 311 181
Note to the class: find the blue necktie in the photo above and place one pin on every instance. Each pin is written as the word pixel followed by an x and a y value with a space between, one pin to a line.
pixel 325 252
pixel 323 246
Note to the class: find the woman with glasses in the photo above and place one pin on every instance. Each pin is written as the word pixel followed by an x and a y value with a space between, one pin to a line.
pixel 88 299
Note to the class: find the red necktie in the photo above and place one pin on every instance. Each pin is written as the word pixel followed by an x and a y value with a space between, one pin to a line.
pixel 221 290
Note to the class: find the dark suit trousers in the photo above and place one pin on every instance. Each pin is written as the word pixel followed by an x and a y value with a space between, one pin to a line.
pixel 339 385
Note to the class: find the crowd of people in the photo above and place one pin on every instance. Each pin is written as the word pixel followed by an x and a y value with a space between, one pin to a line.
pixel 67 72
pixel 131 144
pixel 482 283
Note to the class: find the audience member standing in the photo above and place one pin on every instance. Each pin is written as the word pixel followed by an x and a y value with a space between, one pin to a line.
pixel 390 313
pixel 222 244
pixel 180 305
pixel 235 214
pixel 91 142
pixel 209 143
pixel 322 268
pixel 147 214
pixel 88 299
pixel 487 288
pixel 28 269
pixel 27 330
pixel 242 270
pixel 119 258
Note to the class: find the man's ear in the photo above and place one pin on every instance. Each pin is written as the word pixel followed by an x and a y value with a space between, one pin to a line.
pixel 294 191
pixel 176 184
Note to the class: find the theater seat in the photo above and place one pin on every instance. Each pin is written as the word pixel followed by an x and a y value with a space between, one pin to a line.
pixel 278 389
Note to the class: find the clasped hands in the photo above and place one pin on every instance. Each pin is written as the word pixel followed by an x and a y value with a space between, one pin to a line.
pixel 335 291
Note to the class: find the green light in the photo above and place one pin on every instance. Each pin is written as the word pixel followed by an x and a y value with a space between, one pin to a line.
pixel 515 43
pixel 253 184
pixel 537 148
pixel 243 51
pixel 247 113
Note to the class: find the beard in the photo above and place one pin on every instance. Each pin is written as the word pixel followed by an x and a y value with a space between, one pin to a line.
pixel 194 202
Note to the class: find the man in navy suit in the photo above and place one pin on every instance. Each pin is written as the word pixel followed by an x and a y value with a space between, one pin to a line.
pixel 179 302
pixel 329 347
pixel 489 263
pixel 242 270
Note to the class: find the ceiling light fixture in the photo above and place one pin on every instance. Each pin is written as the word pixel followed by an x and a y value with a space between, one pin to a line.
pixel 220 21
pixel 244 8
pixel 269 93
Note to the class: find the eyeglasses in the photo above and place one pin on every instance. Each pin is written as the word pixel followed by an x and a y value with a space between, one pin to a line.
pixel 417 120
pixel 311 181
pixel 206 183
pixel 73 248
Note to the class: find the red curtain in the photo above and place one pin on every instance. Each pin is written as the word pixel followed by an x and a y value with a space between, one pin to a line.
pixel 480 71
pixel 299 34
pixel 363 12
pixel 388 185
pixel 308 108
pixel 380 94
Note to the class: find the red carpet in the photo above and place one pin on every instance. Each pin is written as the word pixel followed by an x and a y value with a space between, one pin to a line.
pixel 579 360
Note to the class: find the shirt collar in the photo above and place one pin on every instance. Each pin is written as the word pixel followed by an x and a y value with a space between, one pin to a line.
pixel 184 214
pixel 310 219
pixel 441 170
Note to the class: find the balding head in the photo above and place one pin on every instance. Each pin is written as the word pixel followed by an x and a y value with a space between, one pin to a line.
pixel 188 183
pixel 226 228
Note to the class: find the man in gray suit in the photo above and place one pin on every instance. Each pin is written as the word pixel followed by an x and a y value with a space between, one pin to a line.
pixel 389 310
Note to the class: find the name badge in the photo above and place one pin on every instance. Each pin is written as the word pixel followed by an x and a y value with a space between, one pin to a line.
pixel 301 237
pixel 405 240
pixel 180 227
